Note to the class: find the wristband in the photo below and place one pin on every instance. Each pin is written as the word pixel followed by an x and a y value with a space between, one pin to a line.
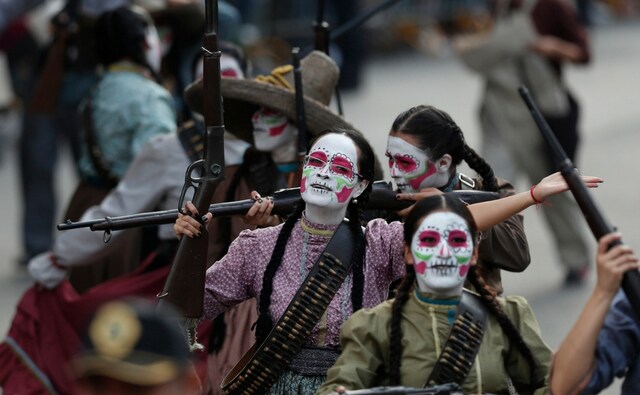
pixel 536 201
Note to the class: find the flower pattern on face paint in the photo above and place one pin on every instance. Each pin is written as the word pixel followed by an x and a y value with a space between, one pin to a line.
pixel 330 171
pixel 410 167
pixel 442 249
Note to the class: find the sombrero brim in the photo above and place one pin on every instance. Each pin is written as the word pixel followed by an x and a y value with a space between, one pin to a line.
pixel 243 97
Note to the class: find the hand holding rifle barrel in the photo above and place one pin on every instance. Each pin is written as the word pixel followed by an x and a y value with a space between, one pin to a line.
pixel 595 218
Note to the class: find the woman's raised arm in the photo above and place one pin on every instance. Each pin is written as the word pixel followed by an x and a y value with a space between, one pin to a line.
pixel 488 214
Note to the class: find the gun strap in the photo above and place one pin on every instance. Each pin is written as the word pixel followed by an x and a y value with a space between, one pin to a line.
pixel 191 137
pixel 95 153
pixel 463 344
pixel 261 366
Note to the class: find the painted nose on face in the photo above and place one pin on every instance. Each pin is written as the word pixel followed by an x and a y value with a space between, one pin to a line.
pixel 394 171
pixel 324 171
pixel 444 250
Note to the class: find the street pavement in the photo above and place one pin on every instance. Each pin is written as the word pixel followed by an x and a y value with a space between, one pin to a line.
pixel 607 89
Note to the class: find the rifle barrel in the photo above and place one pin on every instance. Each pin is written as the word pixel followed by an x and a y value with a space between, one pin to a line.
pixel 382 197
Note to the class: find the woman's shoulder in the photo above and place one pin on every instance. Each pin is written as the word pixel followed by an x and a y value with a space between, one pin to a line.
pixel 370 318
pixel 517 308
pixel 380 226
pixel 261 234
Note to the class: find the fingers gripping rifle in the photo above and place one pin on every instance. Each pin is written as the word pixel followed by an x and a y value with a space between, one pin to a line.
pixel 596 220
pixel 184 288
pixel 382 197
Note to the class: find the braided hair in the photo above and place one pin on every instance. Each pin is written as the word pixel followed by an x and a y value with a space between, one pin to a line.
pixel 488 295
pixel 437 134
pixel 121 34
pixel 355 214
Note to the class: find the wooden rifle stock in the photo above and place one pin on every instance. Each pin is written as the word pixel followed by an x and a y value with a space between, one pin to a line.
pixel 184 288
pixel 382 197
pixel 597 222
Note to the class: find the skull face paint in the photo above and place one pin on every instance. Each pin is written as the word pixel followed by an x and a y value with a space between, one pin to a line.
pixel 442 249
pixel 272 130
pixel 330 172
pixel 411 168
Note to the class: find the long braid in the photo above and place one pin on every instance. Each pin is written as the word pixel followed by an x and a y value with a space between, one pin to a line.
pixel 356 216
pixel 395 341
pixel 481 167
pixel 488 297
pixel 264 323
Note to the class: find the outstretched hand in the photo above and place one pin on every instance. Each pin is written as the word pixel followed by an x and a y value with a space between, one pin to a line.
pixel 416 197
pixel 554 184
pixel 187 224
pixel 613 263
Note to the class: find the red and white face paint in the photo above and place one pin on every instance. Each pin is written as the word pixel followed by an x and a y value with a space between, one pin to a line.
pixel 272 130
pixel 330 175
pixel 411 168
pixel 442 251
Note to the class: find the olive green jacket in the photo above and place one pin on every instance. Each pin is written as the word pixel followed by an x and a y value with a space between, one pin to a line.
pixel 364 362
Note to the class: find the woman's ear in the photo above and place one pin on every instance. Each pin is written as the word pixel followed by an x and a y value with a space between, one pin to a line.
pixel 408 256
pixel 444 163
pixel 362 185
pixel 474 256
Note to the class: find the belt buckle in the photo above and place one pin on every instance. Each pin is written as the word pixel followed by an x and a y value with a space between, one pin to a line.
pixel 466 180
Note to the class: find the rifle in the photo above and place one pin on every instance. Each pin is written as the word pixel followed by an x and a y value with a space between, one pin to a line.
pixel 184 287
pixel 293 178
pixel 322 41
pixel 45 93
pixel 442 389
pixel 382 197
pixel 597 222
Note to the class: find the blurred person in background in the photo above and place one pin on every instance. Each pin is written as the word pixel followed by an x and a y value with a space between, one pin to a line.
pixel 131 347
pixel 528 43
pixel 125 109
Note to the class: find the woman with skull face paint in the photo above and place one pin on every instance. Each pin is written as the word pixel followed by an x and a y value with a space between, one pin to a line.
pixel 424 148
pixel 441 251
pixel 269 264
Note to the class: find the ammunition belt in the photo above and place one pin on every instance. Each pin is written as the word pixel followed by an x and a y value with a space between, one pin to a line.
pixel 261 366
pixel 463 344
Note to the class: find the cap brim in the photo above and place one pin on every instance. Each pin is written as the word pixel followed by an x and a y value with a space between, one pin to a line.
pixel 134 370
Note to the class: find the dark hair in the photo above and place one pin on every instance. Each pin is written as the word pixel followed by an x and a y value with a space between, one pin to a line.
pixel 120 34
pixel 438 134
pixel 448 202
pixel 355 213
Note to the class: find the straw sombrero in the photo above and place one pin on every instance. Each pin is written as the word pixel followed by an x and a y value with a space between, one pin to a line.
pixel 276 91
pixel 243 97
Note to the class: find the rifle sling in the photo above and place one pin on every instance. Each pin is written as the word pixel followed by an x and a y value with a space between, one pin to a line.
pixel 261 366
pixel 463 344
pixel 95 153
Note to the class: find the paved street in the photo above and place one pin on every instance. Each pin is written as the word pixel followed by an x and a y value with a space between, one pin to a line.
pixel 609 93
